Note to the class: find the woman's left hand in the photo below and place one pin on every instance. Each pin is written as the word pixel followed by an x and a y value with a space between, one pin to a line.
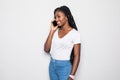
pixel 70 78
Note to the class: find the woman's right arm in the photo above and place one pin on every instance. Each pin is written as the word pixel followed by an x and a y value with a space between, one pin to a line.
pixel 47 45
pixel 48 42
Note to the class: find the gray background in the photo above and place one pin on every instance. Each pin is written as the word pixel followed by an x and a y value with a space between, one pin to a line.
pixel 24 26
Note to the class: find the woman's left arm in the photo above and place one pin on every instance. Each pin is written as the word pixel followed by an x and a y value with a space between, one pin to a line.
pixel 77 48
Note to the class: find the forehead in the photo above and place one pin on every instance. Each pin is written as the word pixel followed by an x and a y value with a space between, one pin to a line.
pixel 59 13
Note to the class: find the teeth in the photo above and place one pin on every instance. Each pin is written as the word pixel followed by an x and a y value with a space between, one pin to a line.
pixel 58 22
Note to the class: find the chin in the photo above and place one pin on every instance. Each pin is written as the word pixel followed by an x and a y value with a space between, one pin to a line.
pixel 59 25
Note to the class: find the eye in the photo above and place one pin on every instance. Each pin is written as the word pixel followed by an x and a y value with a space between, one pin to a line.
pixel 58 16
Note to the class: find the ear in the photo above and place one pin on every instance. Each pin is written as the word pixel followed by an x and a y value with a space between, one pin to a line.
pixel 66 17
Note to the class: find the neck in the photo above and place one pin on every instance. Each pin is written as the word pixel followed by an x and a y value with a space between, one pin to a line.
pixel 65 27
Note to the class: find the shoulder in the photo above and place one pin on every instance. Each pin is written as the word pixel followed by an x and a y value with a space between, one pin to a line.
pixel 75 32
pixel 76 36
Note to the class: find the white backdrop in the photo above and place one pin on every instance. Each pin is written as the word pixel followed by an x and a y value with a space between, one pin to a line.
pixel 24 26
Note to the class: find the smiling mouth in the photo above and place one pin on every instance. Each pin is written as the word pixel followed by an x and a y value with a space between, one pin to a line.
pixel 58 23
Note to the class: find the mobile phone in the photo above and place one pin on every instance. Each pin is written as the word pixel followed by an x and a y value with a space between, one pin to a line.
pixel 54 23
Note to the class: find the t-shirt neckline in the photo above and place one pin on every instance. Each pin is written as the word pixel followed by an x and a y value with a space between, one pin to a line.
pixel 64 35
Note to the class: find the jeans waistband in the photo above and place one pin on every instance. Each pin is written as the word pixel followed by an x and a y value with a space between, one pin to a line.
pixel 54 60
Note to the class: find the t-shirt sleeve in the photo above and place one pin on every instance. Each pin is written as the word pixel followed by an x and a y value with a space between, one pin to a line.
pixel 76 38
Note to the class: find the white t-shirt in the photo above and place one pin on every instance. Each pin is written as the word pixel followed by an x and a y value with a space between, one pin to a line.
pixel 61 47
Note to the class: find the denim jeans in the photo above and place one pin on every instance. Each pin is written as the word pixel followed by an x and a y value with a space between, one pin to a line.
pixel 59 69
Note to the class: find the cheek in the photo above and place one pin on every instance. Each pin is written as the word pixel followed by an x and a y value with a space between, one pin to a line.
pixel 63 19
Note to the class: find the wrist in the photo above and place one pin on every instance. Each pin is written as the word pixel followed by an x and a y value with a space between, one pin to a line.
pixel 52 31
pixel 72 76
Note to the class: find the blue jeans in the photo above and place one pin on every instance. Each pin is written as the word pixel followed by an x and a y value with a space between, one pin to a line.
pixel 59 69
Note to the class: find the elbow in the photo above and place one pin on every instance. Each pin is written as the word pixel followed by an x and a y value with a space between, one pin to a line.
pixel 46 50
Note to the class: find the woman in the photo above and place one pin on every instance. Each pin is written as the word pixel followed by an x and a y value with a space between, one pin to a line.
pixel 63 44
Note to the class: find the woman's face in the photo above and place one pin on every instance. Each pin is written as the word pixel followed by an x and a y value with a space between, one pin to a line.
pixel 60 18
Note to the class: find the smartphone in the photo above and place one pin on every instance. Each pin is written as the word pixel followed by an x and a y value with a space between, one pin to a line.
pixel 54 23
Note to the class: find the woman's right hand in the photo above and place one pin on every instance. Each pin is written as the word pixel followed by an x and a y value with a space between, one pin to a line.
pixel 53 28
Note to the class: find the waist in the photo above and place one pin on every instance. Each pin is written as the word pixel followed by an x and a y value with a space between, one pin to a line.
pixel 60 63
pixel 59 60
pixel 60 56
